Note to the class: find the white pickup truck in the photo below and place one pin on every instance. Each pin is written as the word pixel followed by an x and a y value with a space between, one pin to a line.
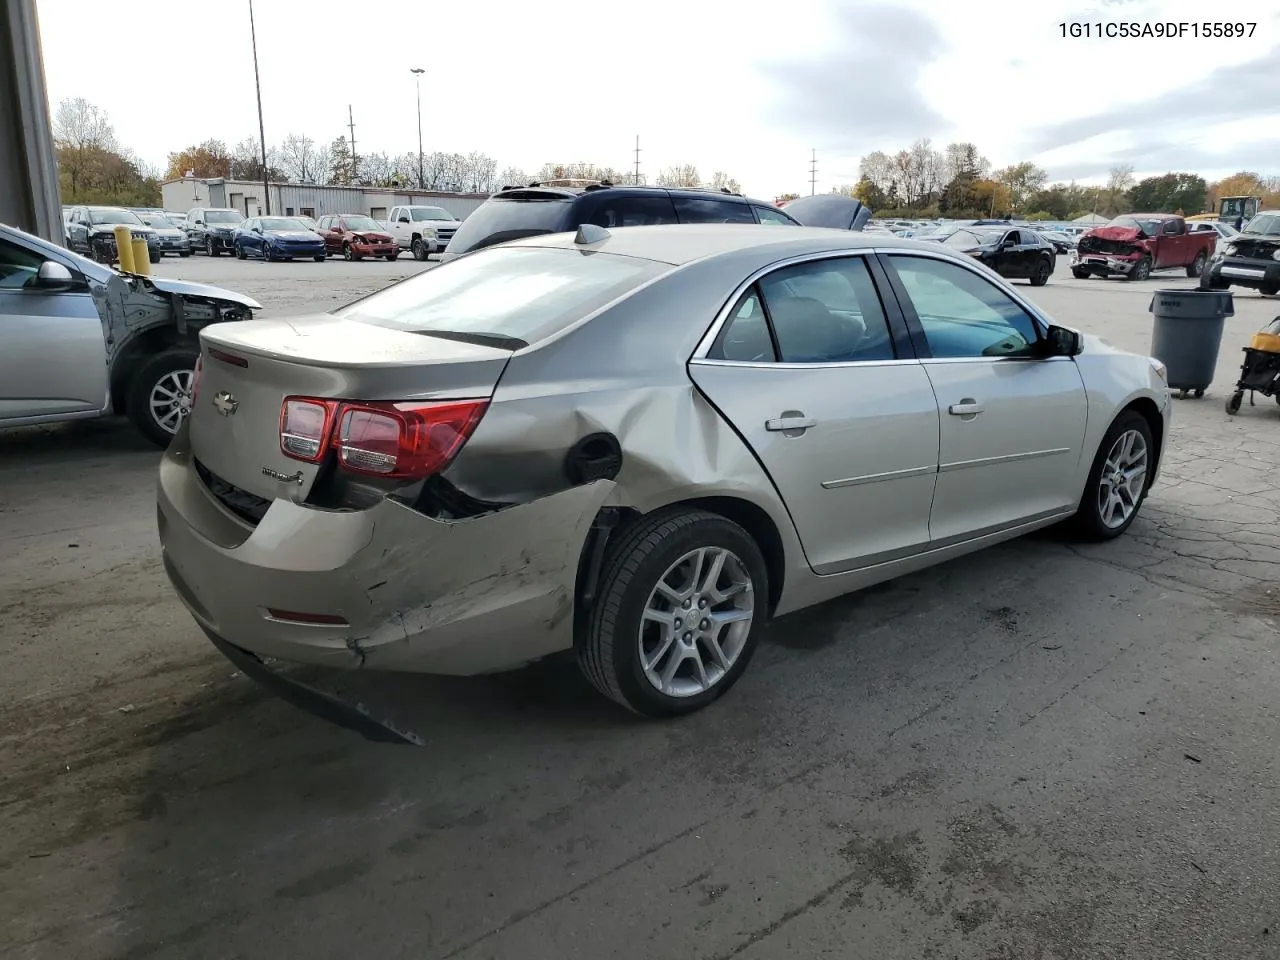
pixel 422 230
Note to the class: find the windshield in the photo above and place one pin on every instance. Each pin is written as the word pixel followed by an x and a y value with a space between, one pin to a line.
pixel 971 237
pixel 222 216
pixel 514 294
pixel 361 223
pixel 99 215
pixel 157 220
pixel 1148 225
pixel 430 213
pixel 1264 224
pixel 283 223
pixel 1233 207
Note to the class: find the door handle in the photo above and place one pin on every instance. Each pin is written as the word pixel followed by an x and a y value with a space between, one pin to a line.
pixel 784 424
pixel 967 407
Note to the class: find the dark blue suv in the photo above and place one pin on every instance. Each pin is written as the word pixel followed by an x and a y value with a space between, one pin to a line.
pixel 515 212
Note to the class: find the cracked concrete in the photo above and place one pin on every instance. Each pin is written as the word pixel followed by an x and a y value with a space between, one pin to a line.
pixel 1043 751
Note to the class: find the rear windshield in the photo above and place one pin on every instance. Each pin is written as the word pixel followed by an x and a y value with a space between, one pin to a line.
pixel 510 296
pixel 497 221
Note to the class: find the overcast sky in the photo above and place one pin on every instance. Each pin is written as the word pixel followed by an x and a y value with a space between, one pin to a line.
pixel 748 88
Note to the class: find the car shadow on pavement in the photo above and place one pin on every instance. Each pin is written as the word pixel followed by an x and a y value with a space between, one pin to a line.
pixel 56 443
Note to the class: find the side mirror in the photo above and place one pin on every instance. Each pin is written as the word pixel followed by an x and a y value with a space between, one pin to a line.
pixel 1008 244
pixel 199 223
pixel 1061 342
pixel 257 229
pixel 403 219
pixel 53 276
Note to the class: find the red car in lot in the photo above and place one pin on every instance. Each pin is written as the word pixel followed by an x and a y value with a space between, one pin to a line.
pixel 356 236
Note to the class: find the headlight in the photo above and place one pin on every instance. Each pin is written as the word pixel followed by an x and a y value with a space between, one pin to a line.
pixel 1275 255
pixel 1161 370
pixel 1231 248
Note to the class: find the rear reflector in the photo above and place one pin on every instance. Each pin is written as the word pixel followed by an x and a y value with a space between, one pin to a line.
pixel 228 358
pixel 195 380
pixel 316 619
pixel 393 440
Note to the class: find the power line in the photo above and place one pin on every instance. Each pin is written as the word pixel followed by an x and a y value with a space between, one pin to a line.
pixel 813 172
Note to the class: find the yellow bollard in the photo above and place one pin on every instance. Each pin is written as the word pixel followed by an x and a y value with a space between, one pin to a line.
pixel 124 247
pixel 141 257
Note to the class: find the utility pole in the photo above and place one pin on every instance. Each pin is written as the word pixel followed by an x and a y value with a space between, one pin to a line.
pixel 351 125
pixel 637 159
pixel 417 79
pixel 262 136
pixel 813 172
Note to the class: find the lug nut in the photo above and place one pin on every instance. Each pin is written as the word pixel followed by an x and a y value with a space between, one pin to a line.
pixel 688 637
pixel 704 624
pixel 702 601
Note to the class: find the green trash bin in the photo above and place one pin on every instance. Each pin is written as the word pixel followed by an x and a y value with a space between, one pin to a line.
pixel 1187 333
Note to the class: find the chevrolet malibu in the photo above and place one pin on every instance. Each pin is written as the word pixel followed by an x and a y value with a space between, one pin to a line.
pixel 637 445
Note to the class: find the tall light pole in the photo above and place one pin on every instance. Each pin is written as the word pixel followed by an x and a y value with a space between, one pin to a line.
pixel 417 79
pixel 262 136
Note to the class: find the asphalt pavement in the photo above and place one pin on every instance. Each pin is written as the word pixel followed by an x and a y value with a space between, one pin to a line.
pixel 1039 751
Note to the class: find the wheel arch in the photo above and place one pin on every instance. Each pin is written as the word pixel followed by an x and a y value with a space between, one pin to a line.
pixel 611 521
pixel 1147 409
pixel 137 352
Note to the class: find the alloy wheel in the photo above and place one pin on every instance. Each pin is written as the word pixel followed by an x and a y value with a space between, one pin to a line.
pixel 170 399
pixel 1124 476
pixel 696 622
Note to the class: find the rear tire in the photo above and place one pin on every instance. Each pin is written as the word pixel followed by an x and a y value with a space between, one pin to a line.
pixel 321 257
pixel 155 401
pixel 1097 519
pixel 185 253
pixel 1269 291
pixel 1040 276
pixel 634 653
pixel 1196 267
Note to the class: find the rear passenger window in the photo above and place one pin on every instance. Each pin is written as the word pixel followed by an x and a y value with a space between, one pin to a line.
pixel 824 311
pixel 708 210
pixel 630 211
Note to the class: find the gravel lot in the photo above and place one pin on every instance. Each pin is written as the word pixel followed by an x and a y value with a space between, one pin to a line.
pixel 1041 751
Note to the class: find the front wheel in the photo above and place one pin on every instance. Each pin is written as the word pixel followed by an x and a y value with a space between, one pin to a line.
pixel 1080 274
pixel 184 253
pixel 1196 267
pixel 394 256
pixel 240 254
pixel 682 597
pixel 348 253
pixel 1142 271
pixel 159 394
pixel 1269 290
pixel 419 249
pixel 210 248
pixel 1117 482
pixel 154 256
pixel 1040 276
pixel 320 258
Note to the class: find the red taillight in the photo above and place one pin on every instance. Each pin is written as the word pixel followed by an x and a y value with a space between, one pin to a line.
pixel 394 440
pixel 195 379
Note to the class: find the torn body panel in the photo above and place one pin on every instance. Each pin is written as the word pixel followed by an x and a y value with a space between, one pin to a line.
pixel 407 591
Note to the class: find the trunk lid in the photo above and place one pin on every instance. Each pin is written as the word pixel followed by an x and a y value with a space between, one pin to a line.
pixel 249 368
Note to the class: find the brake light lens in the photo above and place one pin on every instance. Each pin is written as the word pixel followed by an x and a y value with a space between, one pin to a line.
pixel 305 425
pixel 393 440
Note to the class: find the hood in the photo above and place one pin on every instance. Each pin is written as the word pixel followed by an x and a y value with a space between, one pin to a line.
pixel 168 231
pixel 220 227
pixel 133 228
pixel 188 289
pixel 293 234
pixel 1121 234
pixel 829 210
pixel 372 234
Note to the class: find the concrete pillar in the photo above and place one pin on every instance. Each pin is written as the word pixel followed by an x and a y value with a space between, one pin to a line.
pixel 29 196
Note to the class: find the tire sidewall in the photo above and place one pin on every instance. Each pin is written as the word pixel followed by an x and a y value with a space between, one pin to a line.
pixel 1088 519
pixel 141 384
pixel 707 531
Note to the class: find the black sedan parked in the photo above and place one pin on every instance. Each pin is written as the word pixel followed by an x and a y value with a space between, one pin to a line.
pixel 1013 252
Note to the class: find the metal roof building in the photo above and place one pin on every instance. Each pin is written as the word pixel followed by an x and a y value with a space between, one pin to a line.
pixel 307 199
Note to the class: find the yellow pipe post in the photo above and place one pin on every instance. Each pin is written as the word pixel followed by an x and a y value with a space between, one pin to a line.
pixel 124 247
pixel 141 257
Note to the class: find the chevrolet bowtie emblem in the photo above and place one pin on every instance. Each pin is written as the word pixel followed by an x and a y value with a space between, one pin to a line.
pixel 225 403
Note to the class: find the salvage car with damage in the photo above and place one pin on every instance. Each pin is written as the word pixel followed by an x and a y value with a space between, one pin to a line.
pixel 1250 259
pixel 635 444
pixel 79 340
pixel 1133 245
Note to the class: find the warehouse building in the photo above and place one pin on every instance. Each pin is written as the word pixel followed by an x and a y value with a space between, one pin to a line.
pixel 306 199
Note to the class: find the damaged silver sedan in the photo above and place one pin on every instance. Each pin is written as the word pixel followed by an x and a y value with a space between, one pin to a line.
pixel 638 445
pixel 79 340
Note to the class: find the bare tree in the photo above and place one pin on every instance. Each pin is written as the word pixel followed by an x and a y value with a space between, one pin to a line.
pixel 722 181
pixel 877 168
pixel 681 175
pixel 301 160
pixel 79 124
pixel 512 177
pixel 481 169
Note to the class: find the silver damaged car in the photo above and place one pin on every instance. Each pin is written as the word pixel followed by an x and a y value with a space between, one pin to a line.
pixel 638 445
